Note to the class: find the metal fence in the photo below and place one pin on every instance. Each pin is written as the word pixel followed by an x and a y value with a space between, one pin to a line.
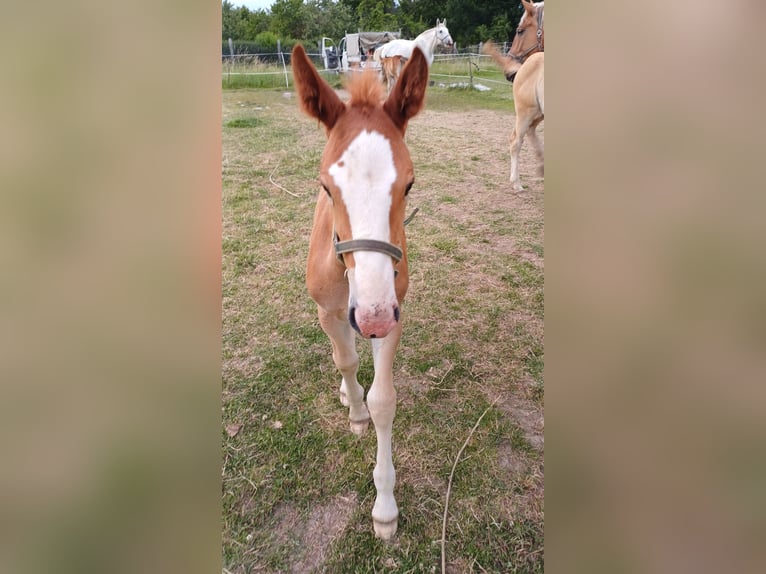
pixel 277 63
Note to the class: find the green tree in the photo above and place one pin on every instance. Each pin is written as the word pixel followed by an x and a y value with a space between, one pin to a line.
pixel 233 20
pixel 328 18
pixel 377 15
pixel 242 24
pixel 289 19
pixel 464 18
pixel 267 41
pixel 469 21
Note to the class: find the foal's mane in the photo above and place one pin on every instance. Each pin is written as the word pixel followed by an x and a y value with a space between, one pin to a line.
pixel 365 89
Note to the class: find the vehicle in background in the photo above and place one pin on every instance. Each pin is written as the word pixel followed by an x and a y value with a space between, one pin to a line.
pixel 355 50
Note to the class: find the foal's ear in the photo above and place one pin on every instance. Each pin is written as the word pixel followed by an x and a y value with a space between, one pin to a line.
pixel 406 99
pixel 317 98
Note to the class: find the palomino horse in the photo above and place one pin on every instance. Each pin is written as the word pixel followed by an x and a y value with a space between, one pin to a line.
pixel 357 261
pixel 530 33
pixel 529 99
pixel 393 54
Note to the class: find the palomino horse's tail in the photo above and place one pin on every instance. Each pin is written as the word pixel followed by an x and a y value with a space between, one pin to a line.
pixel 508 65
pixel 491 50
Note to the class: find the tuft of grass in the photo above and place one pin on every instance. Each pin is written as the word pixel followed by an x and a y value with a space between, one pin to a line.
pixel 244 123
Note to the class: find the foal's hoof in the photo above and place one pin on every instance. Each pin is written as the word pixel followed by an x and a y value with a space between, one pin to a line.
pixel 360 427
pixel 385 530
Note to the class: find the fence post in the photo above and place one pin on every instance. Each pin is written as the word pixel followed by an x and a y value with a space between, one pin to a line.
pixel 282 56
pixel 231 61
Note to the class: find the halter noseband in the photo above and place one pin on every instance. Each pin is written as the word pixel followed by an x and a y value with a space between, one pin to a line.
pixel 350 245
pixel 539 46
pixel 394 251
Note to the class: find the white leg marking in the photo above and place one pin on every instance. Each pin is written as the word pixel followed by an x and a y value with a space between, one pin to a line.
pixel 381 401
pixel 347 360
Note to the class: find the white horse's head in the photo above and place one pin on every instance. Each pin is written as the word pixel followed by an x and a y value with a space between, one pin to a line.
pixel 442 33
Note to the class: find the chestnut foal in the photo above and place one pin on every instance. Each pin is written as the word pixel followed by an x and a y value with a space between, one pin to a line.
pixel 357 261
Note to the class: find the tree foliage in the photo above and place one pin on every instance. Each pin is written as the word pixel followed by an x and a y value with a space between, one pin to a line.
pixel 469 21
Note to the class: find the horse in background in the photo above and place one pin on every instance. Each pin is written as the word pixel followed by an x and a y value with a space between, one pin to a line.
pixel 530 33
pixel 357 262
pixel 529 100
pixel 395 53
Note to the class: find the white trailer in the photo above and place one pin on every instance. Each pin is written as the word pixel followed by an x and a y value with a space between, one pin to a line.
pixel 354 51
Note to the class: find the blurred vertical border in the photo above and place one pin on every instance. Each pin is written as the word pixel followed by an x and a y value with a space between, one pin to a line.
pixel 655 372
pixel 110 287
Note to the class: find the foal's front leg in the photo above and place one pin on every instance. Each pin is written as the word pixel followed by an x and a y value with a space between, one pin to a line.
pixel 381 400
pixel 346 359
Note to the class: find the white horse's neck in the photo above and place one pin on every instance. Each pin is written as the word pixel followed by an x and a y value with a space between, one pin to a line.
pixel 426 41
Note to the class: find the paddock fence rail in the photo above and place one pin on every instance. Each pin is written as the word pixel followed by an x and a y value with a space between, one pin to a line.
pixel 277 63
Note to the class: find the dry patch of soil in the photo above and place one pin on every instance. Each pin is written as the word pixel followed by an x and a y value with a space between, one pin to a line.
pixel 312 536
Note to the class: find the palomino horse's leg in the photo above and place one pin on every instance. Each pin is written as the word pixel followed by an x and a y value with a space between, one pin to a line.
pixel 537 146
pixel 388 72
pixel 392 69
pixel 347 360
pixel 517 138
pixel 381 400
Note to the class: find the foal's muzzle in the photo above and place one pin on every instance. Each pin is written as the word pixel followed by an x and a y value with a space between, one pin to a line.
pixel 372 315
pixel 375 322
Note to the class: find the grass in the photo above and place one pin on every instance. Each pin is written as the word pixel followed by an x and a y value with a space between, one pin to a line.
pixel 444 73
pixel 297 485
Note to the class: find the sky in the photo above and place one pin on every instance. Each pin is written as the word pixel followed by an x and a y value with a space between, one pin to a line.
pixel 254 4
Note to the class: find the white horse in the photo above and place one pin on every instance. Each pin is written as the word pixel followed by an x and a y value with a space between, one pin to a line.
pixel 395 53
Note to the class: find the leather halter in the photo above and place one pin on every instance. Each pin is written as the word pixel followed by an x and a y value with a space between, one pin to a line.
pixel 394 251
pixel 539 46
pixel 350 245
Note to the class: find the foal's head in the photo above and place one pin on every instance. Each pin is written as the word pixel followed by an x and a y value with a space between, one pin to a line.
pixel 366 172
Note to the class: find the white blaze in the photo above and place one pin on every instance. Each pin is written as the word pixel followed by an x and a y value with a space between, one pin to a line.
pixel 365 174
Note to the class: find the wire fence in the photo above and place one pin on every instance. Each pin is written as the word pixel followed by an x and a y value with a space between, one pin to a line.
pixel 276 64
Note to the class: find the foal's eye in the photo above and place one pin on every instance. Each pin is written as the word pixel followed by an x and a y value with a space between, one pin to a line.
pixel 407 189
